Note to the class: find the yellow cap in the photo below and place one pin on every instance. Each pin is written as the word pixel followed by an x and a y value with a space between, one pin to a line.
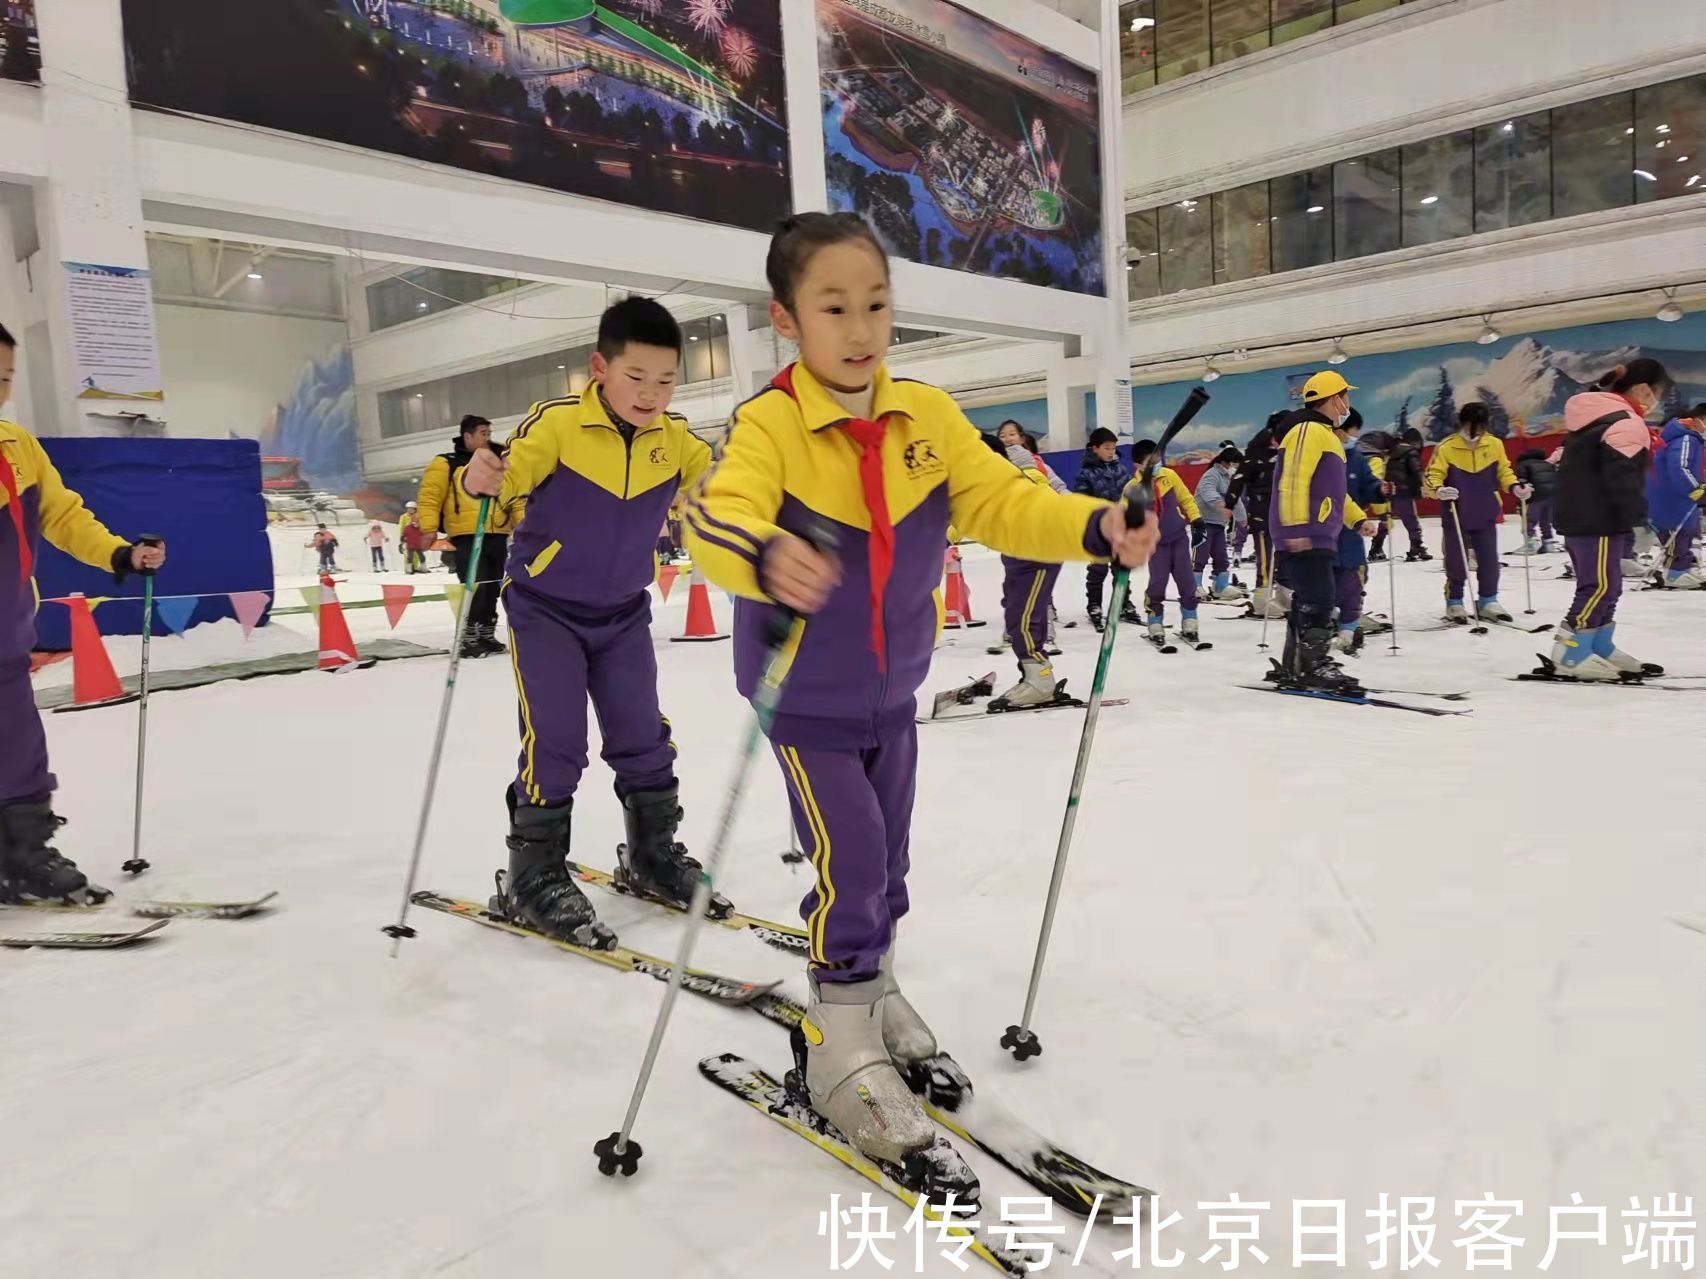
pixel 1324 386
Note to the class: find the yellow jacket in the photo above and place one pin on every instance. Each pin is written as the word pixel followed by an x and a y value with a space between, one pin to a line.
pixel 443 504
pixel 787 467
pixel 1479 469
pixel 34 503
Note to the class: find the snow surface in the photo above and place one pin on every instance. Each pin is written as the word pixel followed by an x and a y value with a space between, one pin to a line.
pixel 1304 951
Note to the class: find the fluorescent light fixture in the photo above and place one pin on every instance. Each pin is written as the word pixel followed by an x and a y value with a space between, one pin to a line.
pixel 1629 132
pixel 1661 128
pixel 254 275
pixel 1489 334
pixel 692 337
pixel 562 366
pixel 1642 173
pixel 1694 181
pixel 1430 199
pixel 419 395
pixel 1139 24
pixel 1316 208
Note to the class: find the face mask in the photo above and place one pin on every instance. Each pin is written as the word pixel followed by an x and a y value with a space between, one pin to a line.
pixel 1343 418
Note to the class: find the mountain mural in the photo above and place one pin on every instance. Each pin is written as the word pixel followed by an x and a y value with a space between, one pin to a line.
pixel 318 425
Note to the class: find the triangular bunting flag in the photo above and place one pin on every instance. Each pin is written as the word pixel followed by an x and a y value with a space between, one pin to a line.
pixel 396 600
pixel 95 601
pixel 248 606
pixel 311 596
pixel 175 611
pixel 666 579
pixel 453 593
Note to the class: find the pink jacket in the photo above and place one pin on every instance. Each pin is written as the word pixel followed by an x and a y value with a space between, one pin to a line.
pixel 1628 436
pixel 375 535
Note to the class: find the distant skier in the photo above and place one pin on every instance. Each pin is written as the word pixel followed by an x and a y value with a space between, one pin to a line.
pixel 1469 471
pixel 1175 512
pixel 1405 482
pixel 376 545
pixel 1674 492
pixel 1541 476
pixel 326 543
pixel 1214 516
pixel 1102 475
pixel 1253 486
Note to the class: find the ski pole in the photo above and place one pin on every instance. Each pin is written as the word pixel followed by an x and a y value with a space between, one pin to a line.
pixel 399 930
pixel 1268 599
pixel 1392 581
pixel 137 864
pixel 1527 573
pixel 1021 1040
pixel 619 1152
pixel 1477 627
pixel 792 856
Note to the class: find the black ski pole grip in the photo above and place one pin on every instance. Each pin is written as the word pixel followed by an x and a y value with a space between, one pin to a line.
pixel 149 539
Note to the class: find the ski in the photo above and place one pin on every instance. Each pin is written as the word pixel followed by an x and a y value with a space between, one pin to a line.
pixel 1319 695
pixel 1417 692
pixel 783 937
pixel 1628 681
pixel 1474 628
pixel 951 1101
pixel 1521 629
pixel 202 910
pixel 964 694
pixel 722 990
pixel 761 1092
pixel 83 941
pixel 1195 645
pixel 974 717
pixel 1160 645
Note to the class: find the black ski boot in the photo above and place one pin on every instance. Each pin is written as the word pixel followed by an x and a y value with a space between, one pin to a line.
pixel 1319 673
pixel 1096 618
pixel 486 637
pixel 652 864
pixel 471 646
pixel 539 891
pixel 1129 614
pixel 31 869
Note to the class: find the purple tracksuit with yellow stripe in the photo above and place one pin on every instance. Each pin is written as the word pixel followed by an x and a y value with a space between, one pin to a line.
pixel 1480 470
pixel 579 612
pixel 844 729
pixel 34 503
pixel 1177 510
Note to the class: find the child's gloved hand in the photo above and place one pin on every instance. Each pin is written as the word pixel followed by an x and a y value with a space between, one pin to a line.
pixel 1523 491
pixel 795 574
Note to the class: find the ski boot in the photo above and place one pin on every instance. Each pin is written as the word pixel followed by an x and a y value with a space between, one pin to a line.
pixel 486 637
pixel 1347 640
pixel 1128 613
pixel 1155 627
pixel 31 869
pixel 1377 556
pixel 1573 656
pixel 1683 579
pixel 652 864
pixel 843 1071
pixel 1273 602
pixel 1605 645
pixel 1226 590
pixel 1490 610
pixel 1037 686
pixel 538 891
pixel 1569 573
pixel 1530 545
pixel 1549 547
pixel 1455 613
pixel 471 646
pixel 1190 630
pixel 911 1044
pixel 1318 672
pixel 1096 619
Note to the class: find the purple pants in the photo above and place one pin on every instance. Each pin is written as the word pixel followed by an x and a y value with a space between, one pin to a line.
pixel 1405 509
pixel 1598 563
pixel 853 813
pixel 1682 556
pixel 1026 592
pixel 1264 551
pixel 1240 534
pixel 562 656
pixel 1540 518
pixel 1484 544
pixel 1172 559
pixel 1348 585
pixel 1212 546
pixel 23 746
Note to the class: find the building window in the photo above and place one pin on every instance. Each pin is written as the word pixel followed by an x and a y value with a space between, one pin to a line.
pixel 1593 155
pixel 1351 10
pixel 1187 254
pixel 1301 206
pixel 1670 134
pixel 1439 189
pixel 1294 19
pixel 1513 172
pixel 423 291
pixel 1241 234
pixel 1238 27
pixel 1181 38
pixel 1142 255
pixel 1137 45
pixel 1366 205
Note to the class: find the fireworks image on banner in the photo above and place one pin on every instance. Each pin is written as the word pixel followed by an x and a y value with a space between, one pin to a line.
pixel 708 16
pixel 739 52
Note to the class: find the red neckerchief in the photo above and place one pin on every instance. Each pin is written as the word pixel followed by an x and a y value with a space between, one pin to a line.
pixel 869 437
pixel 15 505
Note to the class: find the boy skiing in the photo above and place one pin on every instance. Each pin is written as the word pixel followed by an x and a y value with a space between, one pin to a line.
pixel 1468 472
pixel 1175 511
pixel 1102 475
pixel 1674 490
pixel 600 470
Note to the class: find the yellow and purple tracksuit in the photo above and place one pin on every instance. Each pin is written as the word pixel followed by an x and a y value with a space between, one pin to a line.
pixel 1308 506
pixel 36 505
pixel 1479 469
pixel 1177 510
pixel 575 590
pixel 844 729
pixel 1027 592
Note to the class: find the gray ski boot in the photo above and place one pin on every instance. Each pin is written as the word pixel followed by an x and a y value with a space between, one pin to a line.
pixel 1037 686
pixel 539 891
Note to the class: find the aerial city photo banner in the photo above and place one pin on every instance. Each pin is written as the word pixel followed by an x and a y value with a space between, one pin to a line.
pixel 672 105
pixel 966 145
pixel 20 49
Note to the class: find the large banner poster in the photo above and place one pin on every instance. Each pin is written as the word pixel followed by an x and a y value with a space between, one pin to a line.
pixel 672 105
pixel 20 49
pixel 965 145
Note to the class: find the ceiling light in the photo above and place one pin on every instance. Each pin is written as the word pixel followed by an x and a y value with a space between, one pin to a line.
pixel 254 275
pixel 1629 132
pixel 1316 208
pixel 1489 334
pixel 420 306
pixel 1510 126
pixel 1642 173
pixel 1670 312
pixel 692 337
pixel 562 366
pixel 1694 181
pixel 1662 128
pixel 1430 199
pixel 1139 24
pixel 1210 373
pixel 1338 356
pixel 1662 143
pixel 1682 159
pixel 420 395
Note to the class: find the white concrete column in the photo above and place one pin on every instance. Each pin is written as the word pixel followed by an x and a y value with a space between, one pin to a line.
pixel 807 173
pixel 741 371
pixel 90 208
pixel 1111 343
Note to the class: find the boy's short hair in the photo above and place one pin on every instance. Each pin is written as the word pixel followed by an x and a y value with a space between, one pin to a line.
pixel 6 339
pixel 637 319
pixel 473 422
pixel 1102 435
pixel 1141 450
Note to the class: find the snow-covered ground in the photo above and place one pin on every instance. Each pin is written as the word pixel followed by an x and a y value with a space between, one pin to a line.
pixel 1305 951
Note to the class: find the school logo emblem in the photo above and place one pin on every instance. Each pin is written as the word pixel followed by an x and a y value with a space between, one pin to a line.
pixel 660 456
pixel 921 459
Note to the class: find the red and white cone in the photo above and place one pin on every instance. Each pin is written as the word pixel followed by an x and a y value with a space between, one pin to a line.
pixel 337 646
pixel 701 622
pixel 956 598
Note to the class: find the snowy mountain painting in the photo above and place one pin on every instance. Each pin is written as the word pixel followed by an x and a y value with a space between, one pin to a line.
pixel 1524 380
pixel 318 425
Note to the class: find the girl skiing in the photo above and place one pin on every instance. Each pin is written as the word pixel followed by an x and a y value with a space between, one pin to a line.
pixel 376 545
pixel 1468 472
pixel 1601 496
pixel 1674 491
pixel 886 463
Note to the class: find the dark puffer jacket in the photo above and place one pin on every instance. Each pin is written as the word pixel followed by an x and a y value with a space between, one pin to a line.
pixel 1105 480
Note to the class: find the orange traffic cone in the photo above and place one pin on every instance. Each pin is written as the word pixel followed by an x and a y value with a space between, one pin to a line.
pixel 337 647
pixel 93 680
pixel 701 623
pixel 956 599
